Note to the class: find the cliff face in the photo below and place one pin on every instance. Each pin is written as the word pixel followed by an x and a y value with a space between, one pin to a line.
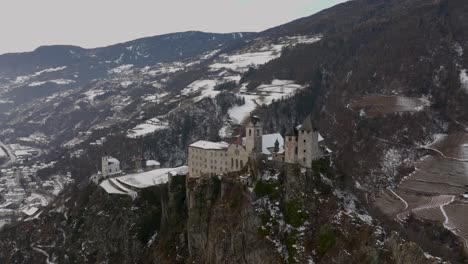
pixel 222 224
pixel 288 216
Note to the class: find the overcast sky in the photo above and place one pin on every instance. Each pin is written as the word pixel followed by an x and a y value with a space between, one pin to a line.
pixel 28 24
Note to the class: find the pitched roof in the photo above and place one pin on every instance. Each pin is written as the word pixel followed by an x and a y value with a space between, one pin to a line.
pixel 307 125
pixel 291 132
pixel 113 160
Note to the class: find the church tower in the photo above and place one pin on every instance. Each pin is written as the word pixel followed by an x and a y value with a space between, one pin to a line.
pixel 105 166
pixel 290 146
pixel 307 145
pixel 254 135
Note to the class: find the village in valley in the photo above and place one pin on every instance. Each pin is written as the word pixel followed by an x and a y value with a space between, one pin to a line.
pixel 23 194
pixel 301 145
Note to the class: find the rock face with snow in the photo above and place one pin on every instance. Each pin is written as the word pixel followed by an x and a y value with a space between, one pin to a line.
pixel 208 221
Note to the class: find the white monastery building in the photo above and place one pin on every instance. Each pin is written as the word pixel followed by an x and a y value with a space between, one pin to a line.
pixel 110 166
pixel 207 158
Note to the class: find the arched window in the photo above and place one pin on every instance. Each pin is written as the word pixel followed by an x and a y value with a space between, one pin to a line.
pixel 232 163
pixel 237 163
pixel 250 132
pixel 242 164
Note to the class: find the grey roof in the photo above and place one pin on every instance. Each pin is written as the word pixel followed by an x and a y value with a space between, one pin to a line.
pixel 307 125
pixel 291 132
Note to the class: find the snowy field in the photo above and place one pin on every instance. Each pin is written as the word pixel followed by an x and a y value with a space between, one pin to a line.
pixel 205 87
pixel 141 180
pixel 163 68
pixel 264 52
pixel 121 69
pixel 23 79
pixel 242 62
pixel 239 113
pixel 148 127
pixel 264 95
pixel 151 178
pixel 58 82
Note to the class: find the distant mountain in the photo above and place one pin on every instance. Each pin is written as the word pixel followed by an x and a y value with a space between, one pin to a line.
pixel 140 52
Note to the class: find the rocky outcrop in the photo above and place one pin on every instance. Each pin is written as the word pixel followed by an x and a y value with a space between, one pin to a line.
pixel 222 224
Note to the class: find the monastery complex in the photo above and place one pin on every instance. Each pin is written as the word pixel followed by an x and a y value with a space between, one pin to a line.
pixel 301 147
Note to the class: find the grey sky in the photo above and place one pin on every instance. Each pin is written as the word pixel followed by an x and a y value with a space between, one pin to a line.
pixel 27 24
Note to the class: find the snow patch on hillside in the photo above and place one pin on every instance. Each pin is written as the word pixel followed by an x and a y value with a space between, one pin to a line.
pixel 148 127
pixel 50 70
pixel 464 80
pixel 153 98
pixel 126 84
pixel 58 82
pixel 205 87
pixel 458 49
pixel 164 68
pixel 121 69
pixel 351 208
pixel 23 79
pixel 241 62
pixel 263 52
pixel 240 112
pixel 279 88
pixel 265 94
pixel 305 39
pixel 90 95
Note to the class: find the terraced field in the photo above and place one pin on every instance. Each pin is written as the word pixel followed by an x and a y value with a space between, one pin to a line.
pixel 432 214
pixel 457 222
pixel 381 104
pixel 435 190
pixel 390 204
